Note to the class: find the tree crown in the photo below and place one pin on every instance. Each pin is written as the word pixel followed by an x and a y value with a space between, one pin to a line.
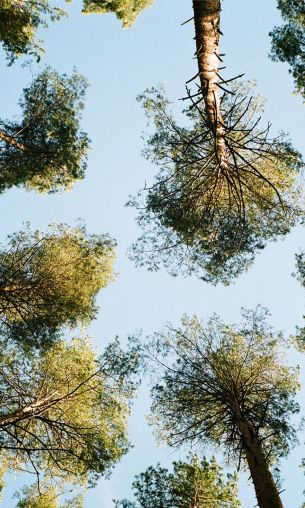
pixel 288 41
pixel 200 218
pixel 192 484
pixel 50 280
pixel 63 412
pixel 45 150
pixel 217 376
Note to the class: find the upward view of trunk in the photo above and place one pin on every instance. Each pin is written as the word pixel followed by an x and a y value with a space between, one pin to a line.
pixel 266 492
pixel 207 31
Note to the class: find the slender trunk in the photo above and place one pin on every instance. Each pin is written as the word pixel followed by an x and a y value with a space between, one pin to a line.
pixel 207 23
pixel 12 141
pixel 266 492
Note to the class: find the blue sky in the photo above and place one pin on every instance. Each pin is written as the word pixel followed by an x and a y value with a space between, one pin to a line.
pixel 119 64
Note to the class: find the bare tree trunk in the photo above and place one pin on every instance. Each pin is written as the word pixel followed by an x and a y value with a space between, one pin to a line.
pixel 266 492
pixel 207 30
pixel 12 141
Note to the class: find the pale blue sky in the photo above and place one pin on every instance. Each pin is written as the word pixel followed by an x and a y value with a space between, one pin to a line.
pixel 119 64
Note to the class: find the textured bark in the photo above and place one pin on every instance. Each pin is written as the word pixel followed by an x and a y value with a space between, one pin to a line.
pixel 207 30
pixel 12 141
pixel 266 492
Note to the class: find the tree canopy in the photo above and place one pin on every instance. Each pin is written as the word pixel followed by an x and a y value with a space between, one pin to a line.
pixel 45 150
pixel 125 10
pixel 300 265
pixel 63 412
pixel 227 386
pixel 193 484
pixel 203 218
pixel 19 22
pixel 288 41
pixel 50 280
pixel 48 497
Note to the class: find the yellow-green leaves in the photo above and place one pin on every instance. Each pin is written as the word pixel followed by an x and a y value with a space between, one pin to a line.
pixel 125 10
pixel 19 21
pixel 214 376
pixel 51 280
pixel 64 411
pixel 46 497
pixel 192 484
pixel 208 218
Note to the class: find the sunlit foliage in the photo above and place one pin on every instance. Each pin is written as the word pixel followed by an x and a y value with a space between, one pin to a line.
pixel 45 150
pixel 63 412
pixel 50 280
pixel 206 217
pixel 192 484
pixel 125 10
pixel 213 376
pixel 46 497
pixel 300 265
pixel 288 40
pixel 19 22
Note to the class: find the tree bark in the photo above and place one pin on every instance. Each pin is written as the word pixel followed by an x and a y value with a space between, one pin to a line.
pixel 12 141
pixel 266 492
pixel 207 31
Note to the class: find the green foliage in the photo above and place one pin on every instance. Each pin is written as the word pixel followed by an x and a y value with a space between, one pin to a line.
pixel 300 265
pixel 192 484
pixel 216 377
pixel 63 412
pixel 45 150
pixel 48 497
pixel 19 22
pixel 21 19
pixel 51 280
pixel 201 218
pixel 288 41
pixel 125 10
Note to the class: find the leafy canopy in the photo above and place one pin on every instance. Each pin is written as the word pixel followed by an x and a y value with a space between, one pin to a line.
pixel 206 218
pixel 214 376
pixel 19 22
pixel 63 411
pixel 50 280
pixel 192 484
pixel 125 10
pixel 288 41
pixel 300 265
pixel 45 150
pixel 21 19
pixel 48 497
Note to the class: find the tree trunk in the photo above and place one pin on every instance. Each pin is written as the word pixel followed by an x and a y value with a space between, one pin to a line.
pixel 207 30
pixel 12 141
pixel 266 492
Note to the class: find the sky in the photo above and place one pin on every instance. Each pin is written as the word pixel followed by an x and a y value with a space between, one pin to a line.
pixel 119 64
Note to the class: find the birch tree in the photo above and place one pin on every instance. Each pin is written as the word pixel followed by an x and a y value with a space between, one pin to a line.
pixel 227 386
